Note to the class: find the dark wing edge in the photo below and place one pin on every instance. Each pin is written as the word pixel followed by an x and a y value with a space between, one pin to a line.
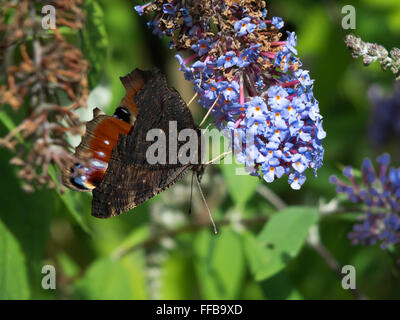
pixel 133 82
pixel 129 186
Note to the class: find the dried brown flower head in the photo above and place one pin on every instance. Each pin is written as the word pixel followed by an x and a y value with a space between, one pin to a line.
pixel 45 76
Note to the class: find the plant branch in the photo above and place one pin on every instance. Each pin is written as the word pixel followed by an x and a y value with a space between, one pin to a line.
pixel 118 254
pixel 268 194
pixel 313 238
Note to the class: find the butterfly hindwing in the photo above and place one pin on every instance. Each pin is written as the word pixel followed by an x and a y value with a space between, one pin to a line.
pixel 131 185
pixel 86 169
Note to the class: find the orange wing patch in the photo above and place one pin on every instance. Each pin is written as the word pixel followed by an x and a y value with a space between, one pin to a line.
pixel 132 82
pixel 94 152
pixel 105 136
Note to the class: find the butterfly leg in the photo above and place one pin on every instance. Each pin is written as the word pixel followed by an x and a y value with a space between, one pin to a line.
pixel 191 100
pixel 209 111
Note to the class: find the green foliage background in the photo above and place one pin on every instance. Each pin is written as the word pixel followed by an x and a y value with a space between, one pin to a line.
pixel 255 261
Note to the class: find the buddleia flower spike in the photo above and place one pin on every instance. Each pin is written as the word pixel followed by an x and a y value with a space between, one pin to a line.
pixel 379 193
pixel 249 79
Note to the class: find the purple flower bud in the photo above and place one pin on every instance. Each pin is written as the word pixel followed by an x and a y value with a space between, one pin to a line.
pixel 382 222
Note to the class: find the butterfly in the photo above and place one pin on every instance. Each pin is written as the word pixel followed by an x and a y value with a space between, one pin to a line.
pixel 112 161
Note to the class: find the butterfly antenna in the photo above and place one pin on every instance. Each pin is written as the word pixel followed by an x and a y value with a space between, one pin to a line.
pixel 208 209
pixel 191 194
pixel 209 111
pixel 195 95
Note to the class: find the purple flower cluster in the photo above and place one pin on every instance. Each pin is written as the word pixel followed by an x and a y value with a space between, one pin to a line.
pixel 250 80
pixel 380 193
pixel 384 125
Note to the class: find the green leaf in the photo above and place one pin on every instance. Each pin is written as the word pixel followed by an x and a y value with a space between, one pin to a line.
pixel 108 279
pixel 105 279
pixel 6 120
pixel 241 187
pixel 13 273
pixel 136 268
pixel 77 203
pixel 95 41
pixel 279 287
pixel 219 264
pixel 27 216
pixel 279 241
pixel 178 277
pixel 9 124
pixel 68 266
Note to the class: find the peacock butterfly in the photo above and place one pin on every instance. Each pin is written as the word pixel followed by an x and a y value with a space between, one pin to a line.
pixel 112 154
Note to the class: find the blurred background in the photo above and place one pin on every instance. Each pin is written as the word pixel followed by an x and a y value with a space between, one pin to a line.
pixel 158 251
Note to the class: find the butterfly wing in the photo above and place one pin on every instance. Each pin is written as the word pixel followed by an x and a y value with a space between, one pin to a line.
pixel 133 82
pixel 125 186
pixel 101 135
pixel 87 167
pixel 130 179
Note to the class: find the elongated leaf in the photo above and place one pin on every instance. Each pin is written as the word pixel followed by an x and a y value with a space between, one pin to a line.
pixel 68 266
pixel 6 120
pixel 279 242
pixel 13 271
pixel 219 264
pixel 95 41
pixel 77 203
